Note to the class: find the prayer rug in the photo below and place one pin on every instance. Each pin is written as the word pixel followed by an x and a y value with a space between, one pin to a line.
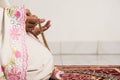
pixel 90 72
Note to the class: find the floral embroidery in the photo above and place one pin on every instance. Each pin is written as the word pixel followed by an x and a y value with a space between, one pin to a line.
pixel 10 12
pixel 17 14
pixel 14 74
pixel 15 33
pixel 18 54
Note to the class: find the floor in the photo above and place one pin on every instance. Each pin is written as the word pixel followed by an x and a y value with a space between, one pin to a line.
pixel 86 52
pixel 87 59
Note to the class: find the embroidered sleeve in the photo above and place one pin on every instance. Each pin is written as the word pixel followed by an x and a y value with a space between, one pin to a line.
pixel 15 25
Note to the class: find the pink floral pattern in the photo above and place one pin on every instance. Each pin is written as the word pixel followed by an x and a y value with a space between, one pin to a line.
pixel 15 33
pixel 14 74
pixel 17 14
pixel 18 54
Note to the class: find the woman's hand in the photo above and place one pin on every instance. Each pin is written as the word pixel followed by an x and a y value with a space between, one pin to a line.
pixel 37 30
pixel 32 21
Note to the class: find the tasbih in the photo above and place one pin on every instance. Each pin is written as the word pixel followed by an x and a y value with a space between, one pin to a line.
pixel 43 37
pixel 102 76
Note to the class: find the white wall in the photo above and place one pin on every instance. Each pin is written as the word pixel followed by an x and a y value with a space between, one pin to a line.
pixel 78 20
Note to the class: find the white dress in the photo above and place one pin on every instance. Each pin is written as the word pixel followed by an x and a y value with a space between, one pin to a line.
pixel 40 60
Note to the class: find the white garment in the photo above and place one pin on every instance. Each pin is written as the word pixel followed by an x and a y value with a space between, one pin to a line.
pixel 40 60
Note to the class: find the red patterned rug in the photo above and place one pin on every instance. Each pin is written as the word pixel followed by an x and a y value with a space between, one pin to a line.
pixel 90 72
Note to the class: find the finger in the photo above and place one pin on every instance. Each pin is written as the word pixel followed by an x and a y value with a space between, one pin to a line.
pixel 47 24
pixel 28 13
pixel 44 28
pixel 32 20
pixel 29 25
pixel 42 20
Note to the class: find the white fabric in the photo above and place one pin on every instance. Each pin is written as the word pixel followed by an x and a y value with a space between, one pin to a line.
pixel 40 60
